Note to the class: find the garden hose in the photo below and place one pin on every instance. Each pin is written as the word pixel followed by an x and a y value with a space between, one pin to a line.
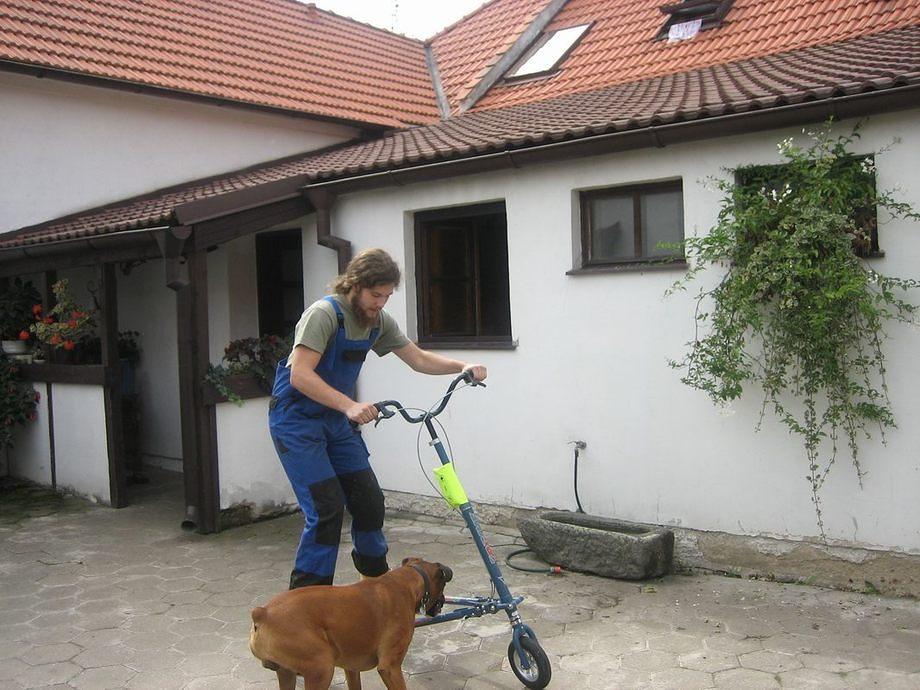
pixel 551 570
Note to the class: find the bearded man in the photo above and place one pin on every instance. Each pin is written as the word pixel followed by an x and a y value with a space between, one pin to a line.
pixel 314 416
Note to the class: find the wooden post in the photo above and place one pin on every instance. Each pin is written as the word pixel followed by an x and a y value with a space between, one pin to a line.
pixel 199 424
pixel 112 387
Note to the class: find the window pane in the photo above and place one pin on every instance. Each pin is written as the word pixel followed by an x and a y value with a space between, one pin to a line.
pixel 452 309
pixel 550 52
pixel 662 216
pixel 612 229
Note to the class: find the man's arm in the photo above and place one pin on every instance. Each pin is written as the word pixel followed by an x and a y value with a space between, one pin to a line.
pixel 305 379
pixel 427 362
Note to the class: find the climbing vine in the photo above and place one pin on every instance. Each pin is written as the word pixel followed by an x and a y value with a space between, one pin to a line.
pixel 799 313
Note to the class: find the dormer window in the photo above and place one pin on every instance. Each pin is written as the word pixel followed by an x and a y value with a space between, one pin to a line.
pixel 547 53
pixel 688 18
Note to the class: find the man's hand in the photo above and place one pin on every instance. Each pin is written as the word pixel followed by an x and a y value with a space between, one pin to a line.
pixel 361 413
pixel 477 370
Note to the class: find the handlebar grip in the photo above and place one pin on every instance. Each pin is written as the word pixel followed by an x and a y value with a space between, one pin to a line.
pixel 468 377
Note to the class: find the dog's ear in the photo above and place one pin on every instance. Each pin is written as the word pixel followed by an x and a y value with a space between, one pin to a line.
pixel 404 561
pixel 446 573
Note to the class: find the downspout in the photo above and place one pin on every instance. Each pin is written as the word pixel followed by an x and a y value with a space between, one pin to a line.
pixel 322 200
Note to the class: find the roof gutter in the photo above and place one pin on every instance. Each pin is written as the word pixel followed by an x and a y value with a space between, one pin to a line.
pixel 654 135
pixel 139 243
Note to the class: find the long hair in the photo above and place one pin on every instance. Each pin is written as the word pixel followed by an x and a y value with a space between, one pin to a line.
pixel 369 268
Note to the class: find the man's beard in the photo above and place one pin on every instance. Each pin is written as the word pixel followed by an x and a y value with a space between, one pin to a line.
pixel 365 320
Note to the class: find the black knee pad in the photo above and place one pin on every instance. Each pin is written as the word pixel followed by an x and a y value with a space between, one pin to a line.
pixel 364 499
pixel 330 510
pixel 370 566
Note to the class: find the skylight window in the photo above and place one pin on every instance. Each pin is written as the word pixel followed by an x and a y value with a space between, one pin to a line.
pixel 687 18
pixel 549 52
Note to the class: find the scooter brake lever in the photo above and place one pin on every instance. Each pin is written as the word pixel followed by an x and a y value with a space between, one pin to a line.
pixel 383 413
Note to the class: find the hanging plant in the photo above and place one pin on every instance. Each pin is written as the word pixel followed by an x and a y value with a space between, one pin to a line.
pixel 256 357
pixel 65 324
pixel 799 314
pixel 18 401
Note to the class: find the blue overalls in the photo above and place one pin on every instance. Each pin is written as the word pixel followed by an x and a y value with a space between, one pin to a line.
pixel 326 461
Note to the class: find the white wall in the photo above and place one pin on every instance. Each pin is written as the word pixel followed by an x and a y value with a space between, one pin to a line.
pixel 80 451
pixel 30 456
pixel 69 147
pixel 591 364
pixel 250 471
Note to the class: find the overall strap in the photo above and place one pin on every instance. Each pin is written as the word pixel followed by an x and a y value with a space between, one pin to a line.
pixel 339 314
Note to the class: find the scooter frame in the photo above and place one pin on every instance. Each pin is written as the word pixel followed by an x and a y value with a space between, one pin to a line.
pixel 475 607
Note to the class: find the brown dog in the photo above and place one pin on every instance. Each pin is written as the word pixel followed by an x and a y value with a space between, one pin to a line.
pixel 309 631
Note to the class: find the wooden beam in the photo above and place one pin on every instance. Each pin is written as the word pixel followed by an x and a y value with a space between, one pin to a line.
pixel 171 243
pixel 114 431
pixel 199 422
pixel 246 222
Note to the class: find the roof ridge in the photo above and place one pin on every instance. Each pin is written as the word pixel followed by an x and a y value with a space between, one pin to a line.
pixel 462 19
pixel 419 41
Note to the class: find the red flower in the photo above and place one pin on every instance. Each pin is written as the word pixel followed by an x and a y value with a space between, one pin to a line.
pixel 23 335
pixel 38 396
pixel 76 314
pixel 37 309
pixel 48 320
pixel 32 416
pixel 69 345
pixel 55 339
pixel 72 323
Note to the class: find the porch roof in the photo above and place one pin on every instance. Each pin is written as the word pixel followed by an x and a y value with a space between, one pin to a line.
pixel 867 69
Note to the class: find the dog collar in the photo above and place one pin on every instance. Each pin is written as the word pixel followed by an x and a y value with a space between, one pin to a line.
pixel 426 597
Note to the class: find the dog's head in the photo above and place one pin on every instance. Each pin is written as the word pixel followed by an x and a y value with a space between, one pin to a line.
pixel 435 576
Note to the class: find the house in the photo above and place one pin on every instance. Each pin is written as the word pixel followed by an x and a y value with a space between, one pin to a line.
pixel 479 159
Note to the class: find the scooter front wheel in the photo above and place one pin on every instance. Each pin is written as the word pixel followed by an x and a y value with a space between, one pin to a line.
pixel 539 672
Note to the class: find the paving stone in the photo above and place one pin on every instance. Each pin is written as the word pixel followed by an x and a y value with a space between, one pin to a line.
pixel 771 662
pixel 51 653
pixel 710 661
pixel 104 677
pixel 746 678
pixel 151 607
pixel 683 678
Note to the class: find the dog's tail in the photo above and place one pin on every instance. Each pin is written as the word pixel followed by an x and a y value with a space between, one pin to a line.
pixel 258 615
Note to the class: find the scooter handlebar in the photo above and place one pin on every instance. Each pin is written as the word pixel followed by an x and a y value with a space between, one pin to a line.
pixel 384 405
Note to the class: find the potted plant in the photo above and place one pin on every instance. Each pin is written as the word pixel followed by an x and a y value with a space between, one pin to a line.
pixel 17 303
pixel 248 358
pixel 17 401
pixel 65 324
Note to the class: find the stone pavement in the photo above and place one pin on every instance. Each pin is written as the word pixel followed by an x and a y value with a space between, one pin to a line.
pixel 96 598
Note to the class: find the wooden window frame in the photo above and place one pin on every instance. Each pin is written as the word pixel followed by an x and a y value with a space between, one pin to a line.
pixel 634 192
pixel 423 281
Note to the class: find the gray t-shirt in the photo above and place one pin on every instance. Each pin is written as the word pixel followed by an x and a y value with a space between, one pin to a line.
pixel 318 325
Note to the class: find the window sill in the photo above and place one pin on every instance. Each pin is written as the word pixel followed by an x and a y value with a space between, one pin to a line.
pixel 679 265
pixel 468 345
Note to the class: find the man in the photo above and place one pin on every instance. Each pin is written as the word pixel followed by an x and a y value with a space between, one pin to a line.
pixel 313 415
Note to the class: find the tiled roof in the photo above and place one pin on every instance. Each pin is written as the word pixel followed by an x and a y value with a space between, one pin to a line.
pixel 620 47
pixel 870 63
pixel 467 49
pixel 273 53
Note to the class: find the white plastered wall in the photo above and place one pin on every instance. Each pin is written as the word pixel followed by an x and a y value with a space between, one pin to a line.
pixel 67 147
pixel 591 364
pixel 80 450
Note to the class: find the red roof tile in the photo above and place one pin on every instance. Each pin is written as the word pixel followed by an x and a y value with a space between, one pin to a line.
pixel 468 48
pixel 620 45
pixel 870 63
pixel 274 53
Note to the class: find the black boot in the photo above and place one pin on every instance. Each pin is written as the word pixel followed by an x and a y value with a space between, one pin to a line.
pixel 302 579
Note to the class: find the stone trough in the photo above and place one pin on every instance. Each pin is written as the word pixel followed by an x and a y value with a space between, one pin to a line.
pixel 598 545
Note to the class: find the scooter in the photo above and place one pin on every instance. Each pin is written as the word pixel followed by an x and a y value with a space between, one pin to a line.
pixel 528 660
